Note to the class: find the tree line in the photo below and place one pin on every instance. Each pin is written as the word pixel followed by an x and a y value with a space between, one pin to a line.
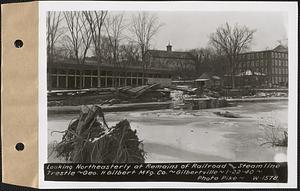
pixel 103 34
pixel 111 38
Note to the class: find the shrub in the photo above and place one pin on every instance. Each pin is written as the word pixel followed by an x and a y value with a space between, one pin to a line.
pixel 274 134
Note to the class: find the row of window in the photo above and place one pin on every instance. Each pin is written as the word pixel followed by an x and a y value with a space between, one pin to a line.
pixel 280 63
pixel 92 82
pixel 106 73
pixel 260 55
pixel 277 80
pixel 173 63
pixel 263 63
pixel 279 55
pixel 280 71
pixel 252 56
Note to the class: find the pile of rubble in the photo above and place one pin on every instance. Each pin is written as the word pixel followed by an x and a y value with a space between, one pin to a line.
pixel 228 114
pixel 146 93
pixel 126 94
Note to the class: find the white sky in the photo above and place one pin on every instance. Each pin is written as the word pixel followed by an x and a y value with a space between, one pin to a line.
pixel 190 29
pixel 187 30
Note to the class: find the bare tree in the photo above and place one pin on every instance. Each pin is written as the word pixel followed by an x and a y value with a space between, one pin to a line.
pixel 105 50
pixel 129 54
pixel 207 60
pixel 96 21
pixel 78 39
pixel 53 34
pixel 114 27
pixel 232 41
pixel 144 27
pixel 183 69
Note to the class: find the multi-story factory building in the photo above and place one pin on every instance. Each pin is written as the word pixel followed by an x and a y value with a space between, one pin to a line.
pixel 268 68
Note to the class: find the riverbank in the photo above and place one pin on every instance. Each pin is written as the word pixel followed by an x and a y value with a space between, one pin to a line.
pixel 112 108
pixel 257 99
pixel 150 105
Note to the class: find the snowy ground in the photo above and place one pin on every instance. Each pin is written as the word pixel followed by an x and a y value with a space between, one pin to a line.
pixel 190 136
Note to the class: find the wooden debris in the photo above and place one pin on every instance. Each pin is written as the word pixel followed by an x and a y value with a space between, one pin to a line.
pixel 88 139
pixel 228 114
pixel 135 92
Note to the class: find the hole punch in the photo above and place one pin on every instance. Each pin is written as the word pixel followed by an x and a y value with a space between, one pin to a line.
pixel 20 146
pixel 18 43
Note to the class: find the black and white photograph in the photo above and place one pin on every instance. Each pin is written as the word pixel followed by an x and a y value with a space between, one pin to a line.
pixel 145 86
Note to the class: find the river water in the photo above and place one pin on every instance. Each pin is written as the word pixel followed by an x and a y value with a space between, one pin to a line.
pixel 199 135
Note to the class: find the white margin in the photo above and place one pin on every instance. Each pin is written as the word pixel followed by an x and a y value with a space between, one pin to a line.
pixel 289 7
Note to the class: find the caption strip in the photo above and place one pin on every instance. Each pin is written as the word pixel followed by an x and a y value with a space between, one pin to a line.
pixel 185 172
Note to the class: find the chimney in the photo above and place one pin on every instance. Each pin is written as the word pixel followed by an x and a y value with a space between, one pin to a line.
pixel 169 48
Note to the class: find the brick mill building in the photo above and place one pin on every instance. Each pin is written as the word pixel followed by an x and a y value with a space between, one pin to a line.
pixel 264 69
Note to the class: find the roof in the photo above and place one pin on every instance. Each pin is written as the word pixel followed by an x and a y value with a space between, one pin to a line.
pixel 182 81
pixel 216 77
pixel 206 76
pixel 170 54
pixel 201 80
pixel 281 48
